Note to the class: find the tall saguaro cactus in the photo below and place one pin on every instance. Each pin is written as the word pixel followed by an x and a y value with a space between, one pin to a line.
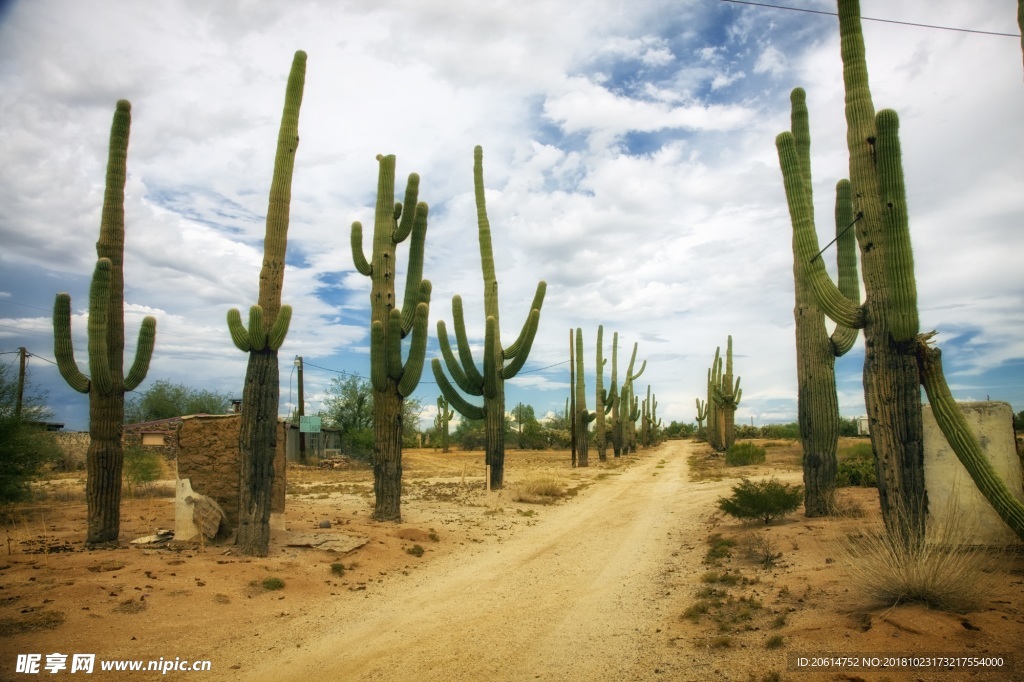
pixel 702 413
pixel 897 359
pixel 268 325
pixel 106 382
pixel 489 383
pixel 602 399
pixel 624 410
pixel 583 417
pixel 392 380
pixel 816 351
pixel 724 397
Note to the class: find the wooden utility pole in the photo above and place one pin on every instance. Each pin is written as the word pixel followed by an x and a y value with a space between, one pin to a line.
pixel 572 398
pixel 21 381
pixel 302 412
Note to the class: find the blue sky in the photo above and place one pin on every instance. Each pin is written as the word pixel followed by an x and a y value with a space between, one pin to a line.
pixel 629 160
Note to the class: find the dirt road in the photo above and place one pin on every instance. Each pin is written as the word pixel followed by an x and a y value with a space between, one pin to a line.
pixel 574 597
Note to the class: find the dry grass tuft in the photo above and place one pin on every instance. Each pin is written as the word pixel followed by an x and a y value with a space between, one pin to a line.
pixel 546 490
pixel 36 620
pixel 946 571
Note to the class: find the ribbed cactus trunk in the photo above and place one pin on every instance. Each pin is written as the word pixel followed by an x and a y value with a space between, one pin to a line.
pixel 615 427
pixel 892 382
pixel 392 380
pixel 817 402
pixel 106 384
pixel 268 326
pixel 702 414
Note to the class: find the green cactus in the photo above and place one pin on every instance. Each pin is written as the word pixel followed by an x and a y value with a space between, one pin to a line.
pixel 583 417
pixel 392 380
pixel 441 421
pixel 106 383
pixel 702 414
pixel 724 397
pixel 603 400
pixel 268 325
pixel 893 367
pixel 818 404
pixel 649 420
pixel 490 383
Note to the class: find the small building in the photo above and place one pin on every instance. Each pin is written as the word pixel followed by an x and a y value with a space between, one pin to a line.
pixel 862 426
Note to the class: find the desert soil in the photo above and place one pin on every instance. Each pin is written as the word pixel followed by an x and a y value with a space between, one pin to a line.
pixel 609 583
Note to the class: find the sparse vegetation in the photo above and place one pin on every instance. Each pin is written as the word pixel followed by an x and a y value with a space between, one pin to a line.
pixel 540 491
pixel 856 466
pixel 745 453
pixel 338 569
pixel 766 500
pixel 415 550
pixel 761 549
pixel 142 467
pixel 272 583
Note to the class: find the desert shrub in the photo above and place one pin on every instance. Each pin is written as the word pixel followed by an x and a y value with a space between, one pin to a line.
pixel 415 550
pixel 337 569
pixel 25 450
pixel 856 467
pixel 761 549
pixel 790 431
pixel 767 499
pixel 946 571
pixel 742 454
pixel 271 584
pixel 141 467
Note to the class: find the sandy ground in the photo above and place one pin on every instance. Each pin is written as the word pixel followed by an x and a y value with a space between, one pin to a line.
pixel 610 583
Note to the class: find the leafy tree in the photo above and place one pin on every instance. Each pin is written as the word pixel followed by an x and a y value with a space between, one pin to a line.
pixel 349 407
pixel 25 445
pixel 847 427
pixel 678 430
pixel 165 399
pixel 411 408
pixel 529 433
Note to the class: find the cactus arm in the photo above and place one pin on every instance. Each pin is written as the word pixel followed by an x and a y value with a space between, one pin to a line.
pixel 453 364
pixel 414 292
pixel 523 343
pixel 844 337
pixel 362 266
pixel 63 350
pixel 417 352
pixel 239 334
pixel 99 359
pixel 280 329
pixel 961 439
pixel 143 354
pixel 454 398
pixel 406 220
pixel 530 329
pixel 393 344
pixel 903 319
pixel 379 360
pixel 473 376
pixel 828 296
pixel 257 333
pixel 484 235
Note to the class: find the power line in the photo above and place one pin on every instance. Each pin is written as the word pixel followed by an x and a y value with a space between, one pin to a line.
pixel 884 21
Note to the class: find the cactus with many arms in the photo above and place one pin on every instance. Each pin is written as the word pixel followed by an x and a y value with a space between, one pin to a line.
pixel 106 382
pixel 489 383
pixel 268 325
pixel 441 421
pixel 818 404
pixel 583 417
pixel 622 402
pixel 897 359
pixel 724 397
pixel 392 380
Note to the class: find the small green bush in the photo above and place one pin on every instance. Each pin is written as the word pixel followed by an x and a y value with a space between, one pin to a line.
pixel 415 550
pixel 337 569
pixel 271 584
pixel 742 454
pixel 856 467
pixel 767 499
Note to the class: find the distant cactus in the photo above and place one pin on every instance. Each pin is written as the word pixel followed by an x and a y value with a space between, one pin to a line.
pixel 583 417
pixel 106 382
pixel 625 409
pixel 490 383
pixel 603 400
pixel 702 413
pixel 392 380
pixel 724 397
pixel 268 325
pixel 441 421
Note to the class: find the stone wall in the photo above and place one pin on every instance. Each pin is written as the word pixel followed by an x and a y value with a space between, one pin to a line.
pixel 951 490
pixel 208 456
pixel 164 431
